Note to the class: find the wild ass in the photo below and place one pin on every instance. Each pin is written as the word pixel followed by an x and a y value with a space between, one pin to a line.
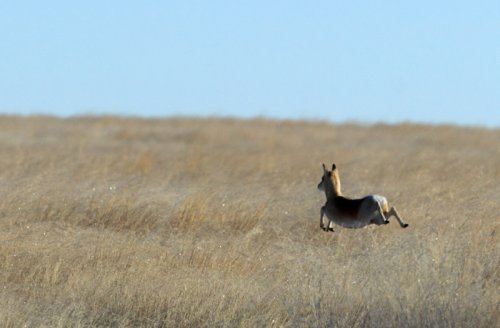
pixel 352 213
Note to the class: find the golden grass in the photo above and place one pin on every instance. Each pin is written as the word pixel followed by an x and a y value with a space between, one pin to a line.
pixel 213 223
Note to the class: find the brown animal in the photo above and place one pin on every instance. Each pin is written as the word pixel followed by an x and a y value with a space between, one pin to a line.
pixel 352 213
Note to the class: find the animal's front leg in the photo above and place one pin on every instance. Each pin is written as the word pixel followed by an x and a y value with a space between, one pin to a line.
pixel 321 225
pixel 330 226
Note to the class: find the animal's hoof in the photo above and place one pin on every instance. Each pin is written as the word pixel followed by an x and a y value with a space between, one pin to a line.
pixel 386 222
pixel 405 225
pixel 331 229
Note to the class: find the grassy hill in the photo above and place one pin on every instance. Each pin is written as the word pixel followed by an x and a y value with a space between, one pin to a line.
pixel 211 223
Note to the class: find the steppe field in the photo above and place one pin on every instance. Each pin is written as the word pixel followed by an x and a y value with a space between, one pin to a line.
pixel 115 222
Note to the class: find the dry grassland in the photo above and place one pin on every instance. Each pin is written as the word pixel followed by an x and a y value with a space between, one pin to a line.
pixel 214 223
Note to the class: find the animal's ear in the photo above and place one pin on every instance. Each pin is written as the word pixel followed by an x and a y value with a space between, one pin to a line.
pixel 334 167
pixel 324 167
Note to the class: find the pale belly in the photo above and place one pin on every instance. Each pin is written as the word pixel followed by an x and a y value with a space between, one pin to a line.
pixel 348 222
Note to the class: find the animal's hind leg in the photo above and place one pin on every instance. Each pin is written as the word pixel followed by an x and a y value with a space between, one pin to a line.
pixel 394 212
pixel 379 216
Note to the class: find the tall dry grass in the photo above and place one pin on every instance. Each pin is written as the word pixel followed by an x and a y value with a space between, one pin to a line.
pixel 213 223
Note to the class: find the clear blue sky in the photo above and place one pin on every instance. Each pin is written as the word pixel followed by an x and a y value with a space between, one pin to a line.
pixel 369 61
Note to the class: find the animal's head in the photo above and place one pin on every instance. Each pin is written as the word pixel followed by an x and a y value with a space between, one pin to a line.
pixel 330 180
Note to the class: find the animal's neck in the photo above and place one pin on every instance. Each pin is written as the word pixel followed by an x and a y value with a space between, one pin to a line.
pixel 333 193
pixel 336 184
pixel 333 189
pixel 337 190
